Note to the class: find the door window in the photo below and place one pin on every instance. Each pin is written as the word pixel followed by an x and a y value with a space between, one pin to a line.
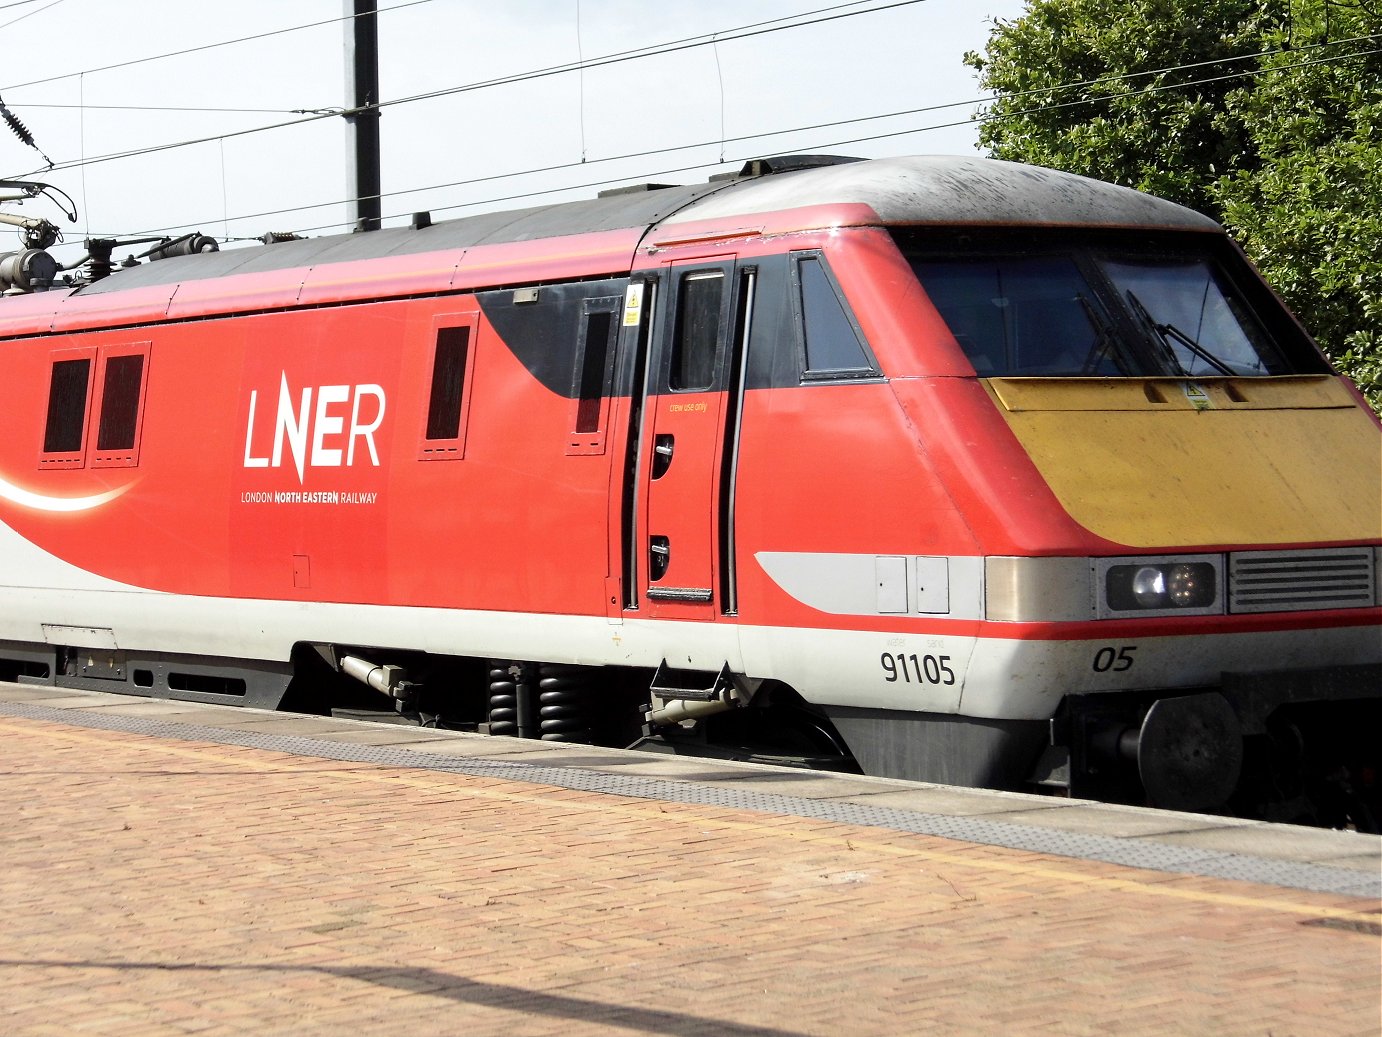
pixel 695 348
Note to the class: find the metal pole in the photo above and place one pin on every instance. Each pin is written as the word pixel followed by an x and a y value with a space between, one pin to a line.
pixel 362 114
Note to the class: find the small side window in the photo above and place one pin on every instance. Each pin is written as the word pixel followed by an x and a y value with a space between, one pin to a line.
pixel 120 406
pixel 831 344
pixel 69 390
pixel 448 398
pixel 448 381
pixel 594 374
pixel 120 390
pixel 696 346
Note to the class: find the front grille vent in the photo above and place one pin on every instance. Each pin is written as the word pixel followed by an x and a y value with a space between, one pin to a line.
pixel 1293 581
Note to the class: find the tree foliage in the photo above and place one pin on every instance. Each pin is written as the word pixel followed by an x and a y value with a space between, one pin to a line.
pixel 1265 114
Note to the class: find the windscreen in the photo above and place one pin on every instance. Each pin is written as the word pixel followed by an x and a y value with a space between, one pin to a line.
pixel 1020 316
pixel 1091 313
pixel 1192 316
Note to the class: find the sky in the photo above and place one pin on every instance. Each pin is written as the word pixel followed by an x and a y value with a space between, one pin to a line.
pixel 79 75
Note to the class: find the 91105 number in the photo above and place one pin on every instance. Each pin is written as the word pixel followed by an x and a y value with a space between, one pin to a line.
pixel 917 669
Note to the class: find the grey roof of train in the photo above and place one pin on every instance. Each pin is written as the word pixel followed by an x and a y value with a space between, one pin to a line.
pixel 934 190
pixel 952 189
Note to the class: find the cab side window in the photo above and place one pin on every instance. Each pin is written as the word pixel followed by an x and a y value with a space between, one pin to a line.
pixel 830 344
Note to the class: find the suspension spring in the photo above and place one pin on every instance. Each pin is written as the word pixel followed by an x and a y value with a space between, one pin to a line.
pixel 564 703
pixel 503 699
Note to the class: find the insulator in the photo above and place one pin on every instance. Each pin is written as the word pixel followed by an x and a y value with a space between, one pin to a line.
pixel 188 245
pixel 20 130
pixel 98 264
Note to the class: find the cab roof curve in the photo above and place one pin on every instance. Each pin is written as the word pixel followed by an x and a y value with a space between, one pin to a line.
pixel 950 190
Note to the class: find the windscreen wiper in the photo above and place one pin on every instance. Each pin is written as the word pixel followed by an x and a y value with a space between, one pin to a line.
pixel 1165 332
pixel 1102 341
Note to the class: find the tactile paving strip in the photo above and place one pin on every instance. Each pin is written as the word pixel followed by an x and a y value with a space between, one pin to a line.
pixel 1138 853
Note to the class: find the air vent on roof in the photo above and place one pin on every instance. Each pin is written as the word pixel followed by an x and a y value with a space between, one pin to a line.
pixel 611 192
pixel 785 164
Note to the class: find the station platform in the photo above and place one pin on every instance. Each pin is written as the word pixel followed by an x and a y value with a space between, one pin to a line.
pixel 172 867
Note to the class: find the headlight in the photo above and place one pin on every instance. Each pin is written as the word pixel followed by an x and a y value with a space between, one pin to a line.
pixel 1148 586
pixel 1161 586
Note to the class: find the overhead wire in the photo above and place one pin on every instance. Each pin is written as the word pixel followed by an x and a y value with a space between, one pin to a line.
pixel 1110 98
pixel 650 51
pixel 815 145
pixel 741 32
pixel 581 65
pixel 665 172
pixel 831 13
pixel 559 167
pixel 626 156
pixel 1153 89
pixel 753 29
pixel 705 38
pixel 28 14
pixel 205 46
pixel 1124 76
pixel 160 108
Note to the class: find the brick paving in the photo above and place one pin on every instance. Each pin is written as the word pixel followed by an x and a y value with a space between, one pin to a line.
pixel 155 886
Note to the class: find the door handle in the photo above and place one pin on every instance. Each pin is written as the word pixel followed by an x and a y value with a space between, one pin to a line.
pixel 659 555
pixel 663 445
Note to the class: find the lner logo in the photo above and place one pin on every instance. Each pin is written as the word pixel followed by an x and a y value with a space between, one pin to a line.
pixel 317 435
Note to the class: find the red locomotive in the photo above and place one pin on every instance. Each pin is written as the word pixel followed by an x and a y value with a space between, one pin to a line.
pixel 946 469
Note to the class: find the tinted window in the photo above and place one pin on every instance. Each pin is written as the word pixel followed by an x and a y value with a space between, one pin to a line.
pixel 120 403
pixel 1020 316
pixel 698 330
pixel 1195 318
pixel 67 406
pixel 594 356
pixel 448 379
pixel 1100 311
pixel 829 340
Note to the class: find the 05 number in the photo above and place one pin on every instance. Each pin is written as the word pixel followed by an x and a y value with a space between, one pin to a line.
pixel 913 669
pixel 1115 659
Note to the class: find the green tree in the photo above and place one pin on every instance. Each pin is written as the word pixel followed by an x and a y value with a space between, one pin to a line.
pixel 1310 214
pixel 1265 114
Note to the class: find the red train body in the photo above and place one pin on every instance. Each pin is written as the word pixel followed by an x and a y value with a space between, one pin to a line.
pixel 906 464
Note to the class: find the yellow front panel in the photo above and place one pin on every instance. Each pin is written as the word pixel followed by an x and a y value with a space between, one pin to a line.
pixel 1154 463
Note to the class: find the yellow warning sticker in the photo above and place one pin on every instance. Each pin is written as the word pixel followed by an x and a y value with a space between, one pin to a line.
pixel 1199 399
pixel 633 305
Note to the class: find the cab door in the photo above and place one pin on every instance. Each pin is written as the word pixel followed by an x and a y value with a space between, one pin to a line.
pixel 688 440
